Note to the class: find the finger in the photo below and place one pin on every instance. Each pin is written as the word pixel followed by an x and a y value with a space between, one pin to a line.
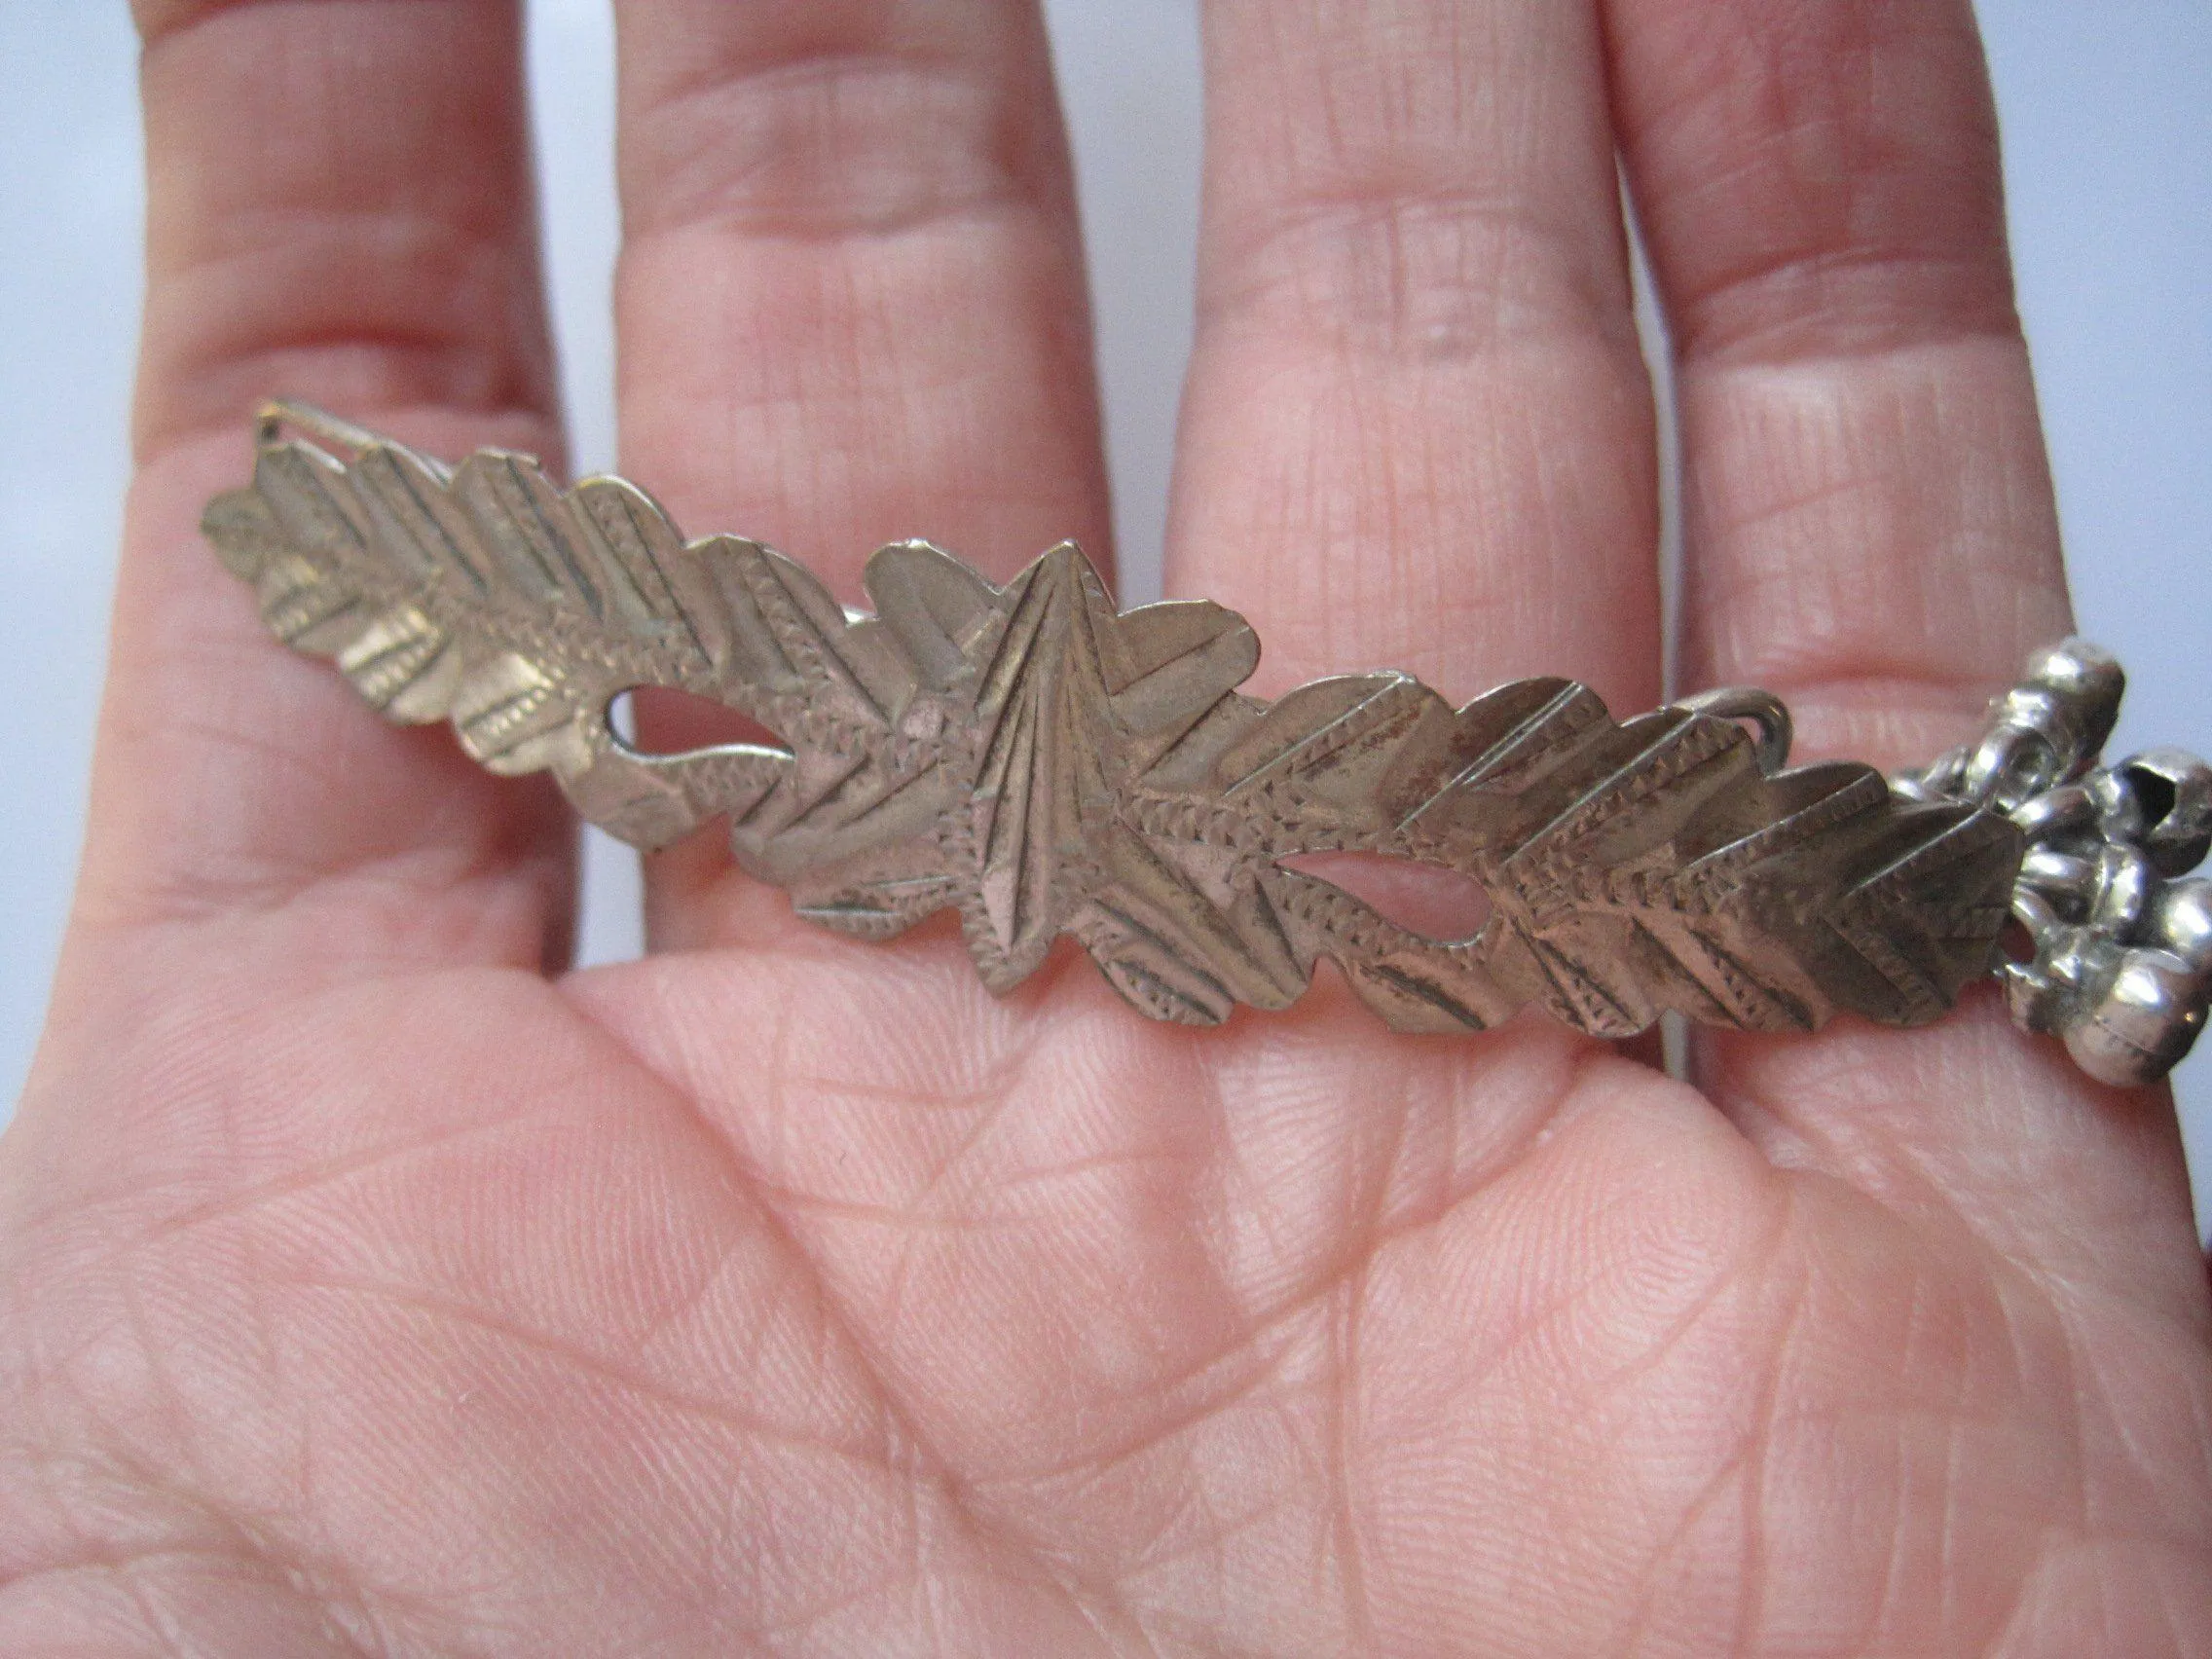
pixel 1417 430
pixel 1869 532
pixel 1868 514
pixel 852 304
pixel 339 209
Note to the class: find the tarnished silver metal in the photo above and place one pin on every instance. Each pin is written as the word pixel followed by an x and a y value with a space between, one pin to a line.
pixel 1044 765
pixel 2121 966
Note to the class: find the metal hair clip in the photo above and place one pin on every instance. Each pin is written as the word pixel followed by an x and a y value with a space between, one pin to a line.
pixel 1044 765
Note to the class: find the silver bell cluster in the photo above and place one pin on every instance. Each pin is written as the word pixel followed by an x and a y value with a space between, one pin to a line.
pixel 2121 932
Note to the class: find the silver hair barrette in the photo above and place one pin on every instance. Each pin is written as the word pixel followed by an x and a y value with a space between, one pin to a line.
pixel 1044 765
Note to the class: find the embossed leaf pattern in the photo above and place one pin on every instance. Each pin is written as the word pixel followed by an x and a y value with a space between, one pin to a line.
pixel 1046 765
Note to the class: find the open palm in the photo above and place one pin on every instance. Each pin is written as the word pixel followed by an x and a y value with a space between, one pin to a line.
pixel 375 1284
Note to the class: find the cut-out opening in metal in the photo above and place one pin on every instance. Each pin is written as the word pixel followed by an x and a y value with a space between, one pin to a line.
pixel 2155 792
pixel 1439 905
pixel 656 720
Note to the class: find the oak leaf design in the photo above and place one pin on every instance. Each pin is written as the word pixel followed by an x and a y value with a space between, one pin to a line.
pixel 1047 764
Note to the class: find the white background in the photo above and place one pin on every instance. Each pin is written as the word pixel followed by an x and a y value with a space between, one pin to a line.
pixel 2107 112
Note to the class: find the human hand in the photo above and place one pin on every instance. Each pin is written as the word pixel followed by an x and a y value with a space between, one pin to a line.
pixel 374 1284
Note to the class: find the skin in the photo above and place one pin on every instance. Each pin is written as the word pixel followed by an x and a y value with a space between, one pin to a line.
pixel 372 1283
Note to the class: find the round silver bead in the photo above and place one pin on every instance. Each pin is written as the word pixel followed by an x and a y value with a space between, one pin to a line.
pixel 2144 1023
pixel 2180 921
pixel 2091 681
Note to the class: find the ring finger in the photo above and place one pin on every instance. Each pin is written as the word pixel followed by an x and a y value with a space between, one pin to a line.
pixel 1417 430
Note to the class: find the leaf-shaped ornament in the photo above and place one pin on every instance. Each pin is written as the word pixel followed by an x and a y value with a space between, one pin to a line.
pixel 1048 765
